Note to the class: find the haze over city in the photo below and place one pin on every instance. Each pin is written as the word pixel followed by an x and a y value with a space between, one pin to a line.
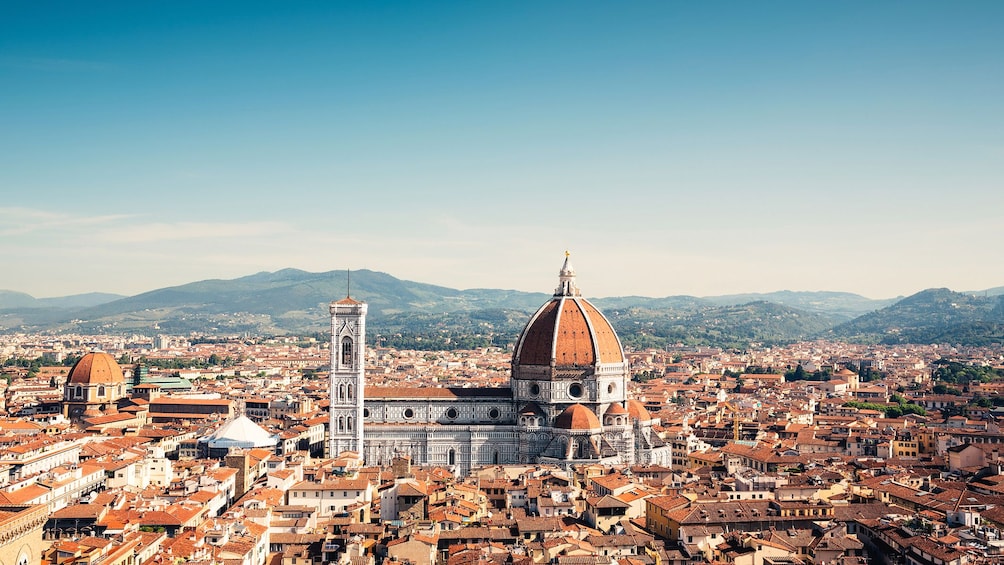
pixel 699 148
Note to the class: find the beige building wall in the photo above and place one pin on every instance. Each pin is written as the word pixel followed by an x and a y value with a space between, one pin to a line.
pixel 21 534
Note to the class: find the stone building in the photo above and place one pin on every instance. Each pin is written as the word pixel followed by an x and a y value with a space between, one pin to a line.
pixel 566 404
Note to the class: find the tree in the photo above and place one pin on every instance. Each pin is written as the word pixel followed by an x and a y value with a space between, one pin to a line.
pixel 796 375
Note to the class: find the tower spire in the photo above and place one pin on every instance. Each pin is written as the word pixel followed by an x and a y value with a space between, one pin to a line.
pixel 566 279
pixel 348 283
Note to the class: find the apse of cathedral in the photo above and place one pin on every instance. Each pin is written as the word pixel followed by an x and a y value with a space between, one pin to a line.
pixel 567 402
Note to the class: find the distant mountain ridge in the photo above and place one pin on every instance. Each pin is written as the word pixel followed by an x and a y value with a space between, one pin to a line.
pixel 14 299
pixel 840 304
pixel 292 301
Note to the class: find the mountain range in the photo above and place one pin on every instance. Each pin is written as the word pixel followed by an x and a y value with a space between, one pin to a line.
pixel 411 314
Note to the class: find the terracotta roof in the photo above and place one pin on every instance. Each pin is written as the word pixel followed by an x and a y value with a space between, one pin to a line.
pixel 637 410
pixel 615 409
pixel 570 332
pixel 182 401
pixel 534 346
pixel 414 393
pixel 577 417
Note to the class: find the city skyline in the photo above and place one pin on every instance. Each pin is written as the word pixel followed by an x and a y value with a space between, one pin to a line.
pixel 674 149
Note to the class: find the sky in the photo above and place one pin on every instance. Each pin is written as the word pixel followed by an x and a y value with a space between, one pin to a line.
pixel 698 148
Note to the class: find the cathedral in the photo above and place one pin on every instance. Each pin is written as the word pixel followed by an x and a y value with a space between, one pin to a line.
pixel 567 402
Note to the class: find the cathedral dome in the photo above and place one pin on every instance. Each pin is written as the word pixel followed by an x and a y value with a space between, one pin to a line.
pixel 577 417
pixel 637 410
pixel 567 331
pixel 616 410
pixel 95 368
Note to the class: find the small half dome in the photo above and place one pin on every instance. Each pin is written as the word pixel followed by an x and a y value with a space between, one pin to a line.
pixel 615 410
pixel 577 417
pixel 638 411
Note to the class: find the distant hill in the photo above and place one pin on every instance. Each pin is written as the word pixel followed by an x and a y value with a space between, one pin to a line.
pixel 411 314
pixel 736 325
pixel 995 291
pixel 13 299
pixel 844 305
pixel 935 315
pixel 286 301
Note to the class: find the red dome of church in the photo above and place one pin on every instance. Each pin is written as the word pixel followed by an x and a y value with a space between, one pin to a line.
pixel 567 331
pixel 637 410
pixel 577 417
pixel 96 367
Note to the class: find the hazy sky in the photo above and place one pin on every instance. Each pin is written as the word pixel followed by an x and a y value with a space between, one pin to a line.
pixel 674 147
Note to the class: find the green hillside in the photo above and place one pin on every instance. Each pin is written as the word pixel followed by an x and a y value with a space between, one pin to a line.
pixel 931 316
pixel 417 315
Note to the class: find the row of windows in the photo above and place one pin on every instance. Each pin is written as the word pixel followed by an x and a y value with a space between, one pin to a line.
pixel 344 392
pixel 317 494
pixel 451 413
pixel 574 390
pixel 78 391
pixel 344 424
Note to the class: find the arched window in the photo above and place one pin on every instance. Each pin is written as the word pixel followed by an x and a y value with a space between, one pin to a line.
pixel 451 457
pixel 348 423
pixel 350 392
pixel 341 391
pixel 495 458
pixel 341 424
pixel 101 390
pixel 347 351
pixel 79 393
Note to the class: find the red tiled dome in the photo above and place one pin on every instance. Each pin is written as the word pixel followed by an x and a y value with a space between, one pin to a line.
pixel 615 409
pixel 637 410
pixel 567 335
pixel 577 417
pixel 96 367
pixel 570 332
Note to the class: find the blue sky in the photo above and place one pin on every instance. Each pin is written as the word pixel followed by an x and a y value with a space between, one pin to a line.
pixel 675 148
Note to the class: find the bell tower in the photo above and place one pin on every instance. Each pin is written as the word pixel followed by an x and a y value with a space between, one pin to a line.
pixel 348 362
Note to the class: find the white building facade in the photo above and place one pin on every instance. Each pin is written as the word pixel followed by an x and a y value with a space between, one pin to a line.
pixel 566 404
pixel 348 360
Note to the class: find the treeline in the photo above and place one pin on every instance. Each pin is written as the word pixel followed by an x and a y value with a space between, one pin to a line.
pixel 33 365
pixel 953 372
pixel 438 341
pixel 800 374
pixel 182 363
pixel 900 408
